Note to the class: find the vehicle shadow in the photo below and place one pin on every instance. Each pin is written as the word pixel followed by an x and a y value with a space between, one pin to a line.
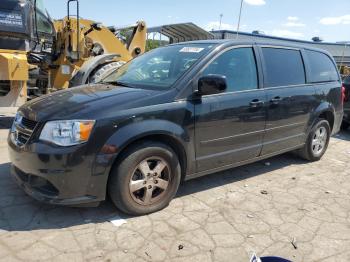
pixel 343 135
pixel 18 212
pixel 239 174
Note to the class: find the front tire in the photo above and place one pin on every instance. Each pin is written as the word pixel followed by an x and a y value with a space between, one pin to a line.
pixel 146 179
pixel 317 142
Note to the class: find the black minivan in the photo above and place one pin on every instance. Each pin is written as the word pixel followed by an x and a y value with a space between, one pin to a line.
pixel 175 113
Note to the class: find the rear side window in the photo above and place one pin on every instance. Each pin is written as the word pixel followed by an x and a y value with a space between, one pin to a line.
pixel 283 67
pixel 322 68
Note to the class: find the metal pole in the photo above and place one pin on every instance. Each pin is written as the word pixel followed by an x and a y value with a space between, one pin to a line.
pixel 239 18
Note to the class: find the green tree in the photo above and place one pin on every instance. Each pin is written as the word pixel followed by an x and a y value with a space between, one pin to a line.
pixel 152 44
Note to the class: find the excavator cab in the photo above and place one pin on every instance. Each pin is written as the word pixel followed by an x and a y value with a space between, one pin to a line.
pixel 16 32
pixel 25 25
pixel 43 29
pixel 16 25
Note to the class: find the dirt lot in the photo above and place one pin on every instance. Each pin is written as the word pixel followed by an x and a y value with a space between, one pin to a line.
pixel 283 206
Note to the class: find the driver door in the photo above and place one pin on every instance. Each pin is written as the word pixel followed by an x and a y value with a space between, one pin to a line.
pixel 229 126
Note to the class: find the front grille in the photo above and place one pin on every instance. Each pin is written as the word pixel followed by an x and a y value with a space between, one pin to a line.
pixel 28 124
pixel 22 130
pixel 23 138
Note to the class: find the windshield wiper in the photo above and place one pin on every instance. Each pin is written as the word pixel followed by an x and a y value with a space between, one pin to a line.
pixel 117 83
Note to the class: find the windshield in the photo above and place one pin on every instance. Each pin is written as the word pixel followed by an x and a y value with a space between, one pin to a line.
pixel 160 68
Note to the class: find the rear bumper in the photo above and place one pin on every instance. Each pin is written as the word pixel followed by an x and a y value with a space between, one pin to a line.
pixel 61 176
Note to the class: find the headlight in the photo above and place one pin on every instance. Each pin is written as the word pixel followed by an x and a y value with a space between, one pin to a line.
pixel 67 133
pixel 18 120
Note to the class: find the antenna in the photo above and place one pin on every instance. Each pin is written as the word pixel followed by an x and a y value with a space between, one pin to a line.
pixel 239 17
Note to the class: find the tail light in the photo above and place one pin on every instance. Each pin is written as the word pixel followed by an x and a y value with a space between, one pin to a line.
pixel 343 94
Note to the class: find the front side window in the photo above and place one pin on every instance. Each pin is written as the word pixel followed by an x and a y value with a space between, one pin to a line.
pixel 322 68
pixel 238 66
pixel 283 67
pixel 160 68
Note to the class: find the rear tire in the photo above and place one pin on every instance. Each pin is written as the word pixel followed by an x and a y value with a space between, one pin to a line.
pixel 317 142
pixel 146 179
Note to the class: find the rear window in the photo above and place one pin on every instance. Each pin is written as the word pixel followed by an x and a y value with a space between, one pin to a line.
pixel 322 68
pixel 283 67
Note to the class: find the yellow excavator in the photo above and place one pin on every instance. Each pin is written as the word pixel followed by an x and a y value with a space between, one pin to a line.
pixel 39 55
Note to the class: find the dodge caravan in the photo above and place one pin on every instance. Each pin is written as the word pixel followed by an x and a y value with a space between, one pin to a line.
pixel 175 113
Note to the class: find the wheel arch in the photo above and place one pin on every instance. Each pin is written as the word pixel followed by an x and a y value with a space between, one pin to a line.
pixel 161 131
pixel 325 111
pixel 329 116
pixel 166 139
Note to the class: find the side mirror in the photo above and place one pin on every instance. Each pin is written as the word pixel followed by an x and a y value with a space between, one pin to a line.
pixel 212 84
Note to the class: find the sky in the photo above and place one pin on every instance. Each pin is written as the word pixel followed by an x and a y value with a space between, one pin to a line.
pixel 299 19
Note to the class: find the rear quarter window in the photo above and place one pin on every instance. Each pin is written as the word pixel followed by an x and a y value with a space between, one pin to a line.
pixel 322 68
pixel 283 67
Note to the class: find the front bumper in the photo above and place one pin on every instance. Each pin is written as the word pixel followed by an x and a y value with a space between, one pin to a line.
pixel 61 176
pixel 46 192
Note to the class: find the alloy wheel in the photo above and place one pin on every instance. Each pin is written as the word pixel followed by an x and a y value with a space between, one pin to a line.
pixel 319 141
pixel 150 181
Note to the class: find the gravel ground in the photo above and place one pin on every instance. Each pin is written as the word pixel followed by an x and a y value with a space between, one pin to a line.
pixel 283 206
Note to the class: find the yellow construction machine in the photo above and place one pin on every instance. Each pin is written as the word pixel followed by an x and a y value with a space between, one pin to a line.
pixel 39 55
pixel 344 70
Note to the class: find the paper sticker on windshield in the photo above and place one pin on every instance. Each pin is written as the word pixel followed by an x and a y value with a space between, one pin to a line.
pixel 191 50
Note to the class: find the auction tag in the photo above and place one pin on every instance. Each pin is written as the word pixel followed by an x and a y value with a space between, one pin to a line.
pixel 191 50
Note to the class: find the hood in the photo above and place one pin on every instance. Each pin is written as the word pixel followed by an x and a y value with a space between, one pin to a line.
pixel 85 102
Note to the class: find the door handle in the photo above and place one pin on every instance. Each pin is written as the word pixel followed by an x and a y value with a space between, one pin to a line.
pixel 276 100
pixel 256 103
